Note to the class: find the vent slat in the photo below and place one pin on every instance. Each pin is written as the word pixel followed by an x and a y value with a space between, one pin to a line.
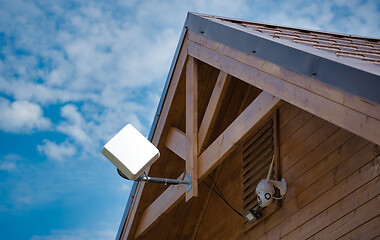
pixel 251 186
pixel 257 154
pixel 258 144
pixel 264 129
pixel 258 159
pixel 259 174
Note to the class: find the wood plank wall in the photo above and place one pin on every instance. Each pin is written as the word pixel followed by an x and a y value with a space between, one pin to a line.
pixel 334 186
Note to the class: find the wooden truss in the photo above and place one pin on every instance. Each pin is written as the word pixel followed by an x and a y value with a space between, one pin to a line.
pixel 277 84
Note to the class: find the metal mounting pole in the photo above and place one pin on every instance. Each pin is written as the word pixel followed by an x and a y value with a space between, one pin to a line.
pixel 164 180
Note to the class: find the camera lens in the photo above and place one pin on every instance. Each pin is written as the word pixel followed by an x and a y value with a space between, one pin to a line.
pixel 267 196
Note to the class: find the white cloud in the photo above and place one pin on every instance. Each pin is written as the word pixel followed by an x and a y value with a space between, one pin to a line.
pixel 94 54
pixel 9 162
pixel 21 117
pixel 7 166
pixel 350 17
pixel 13 157
pixel 74 124
pixel 35 183
pixel 125 187
pixel 92 49
pixel 58 152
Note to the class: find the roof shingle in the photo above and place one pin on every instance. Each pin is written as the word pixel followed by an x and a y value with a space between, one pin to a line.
pixel 365 49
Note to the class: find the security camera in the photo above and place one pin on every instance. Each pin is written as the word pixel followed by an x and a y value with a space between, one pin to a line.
pixel 265 191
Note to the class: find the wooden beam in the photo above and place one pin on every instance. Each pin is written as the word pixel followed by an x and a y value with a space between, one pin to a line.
pixel 241 127
pixel 205 205
pixel 192 125
pixel 176 141
pixel 338 114
pixel 133 217
pixel 166 201
pixel 127 229
pixel 212 109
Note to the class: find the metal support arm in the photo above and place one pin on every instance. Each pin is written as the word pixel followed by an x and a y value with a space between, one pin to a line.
pixel 162 180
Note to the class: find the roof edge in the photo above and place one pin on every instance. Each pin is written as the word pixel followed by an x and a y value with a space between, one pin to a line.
pixel 342 72
pixel 237 20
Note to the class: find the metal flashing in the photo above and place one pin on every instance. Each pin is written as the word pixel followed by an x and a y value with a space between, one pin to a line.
pixel 304 30
pixel 167 83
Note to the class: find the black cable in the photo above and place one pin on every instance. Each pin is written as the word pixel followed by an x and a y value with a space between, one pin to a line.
pixel 219 193
pixel 222 197
pixel 217 187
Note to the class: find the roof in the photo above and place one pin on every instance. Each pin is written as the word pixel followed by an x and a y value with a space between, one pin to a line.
pixel 336 59
pixel 303 51
pixel 343 45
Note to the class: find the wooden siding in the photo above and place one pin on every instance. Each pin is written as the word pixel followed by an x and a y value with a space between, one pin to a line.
pixel 333 189
pixel 324 167
pixel 333 178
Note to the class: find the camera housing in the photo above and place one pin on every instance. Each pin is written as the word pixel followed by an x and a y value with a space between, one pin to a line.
pixel 265 191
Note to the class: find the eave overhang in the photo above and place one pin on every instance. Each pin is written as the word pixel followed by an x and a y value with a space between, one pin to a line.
pixel 341 72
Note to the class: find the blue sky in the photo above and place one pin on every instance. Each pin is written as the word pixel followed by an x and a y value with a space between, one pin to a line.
pixel 73 73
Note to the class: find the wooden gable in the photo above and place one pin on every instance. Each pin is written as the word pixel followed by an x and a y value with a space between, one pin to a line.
pixel 217 98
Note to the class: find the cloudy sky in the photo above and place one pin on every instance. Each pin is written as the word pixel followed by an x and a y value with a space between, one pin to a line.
pixel 73 73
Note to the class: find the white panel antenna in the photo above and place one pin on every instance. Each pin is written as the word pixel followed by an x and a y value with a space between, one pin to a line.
pixel 130 152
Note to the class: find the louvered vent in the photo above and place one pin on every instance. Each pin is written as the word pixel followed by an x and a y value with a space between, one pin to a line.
pixel 257 156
